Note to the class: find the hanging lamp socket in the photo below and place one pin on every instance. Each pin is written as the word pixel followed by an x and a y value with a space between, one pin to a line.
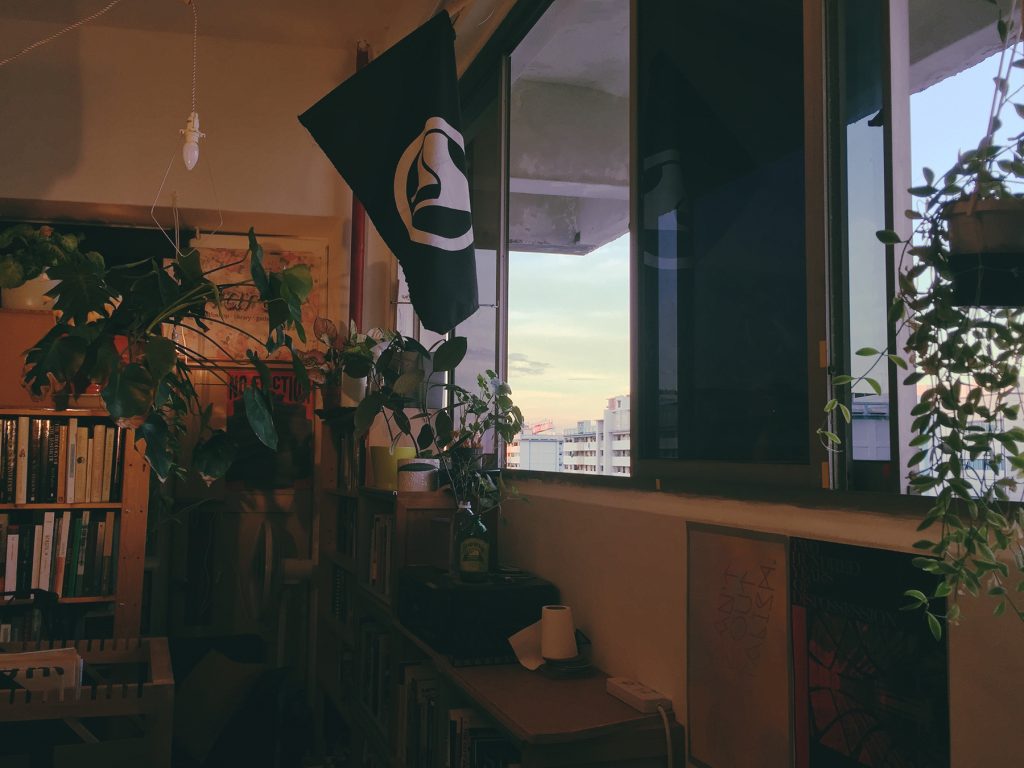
pixel 192 134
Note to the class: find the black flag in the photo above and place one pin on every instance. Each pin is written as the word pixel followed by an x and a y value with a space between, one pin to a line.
pixel 394 132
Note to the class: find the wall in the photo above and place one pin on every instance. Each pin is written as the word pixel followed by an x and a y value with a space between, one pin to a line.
pixel 619 559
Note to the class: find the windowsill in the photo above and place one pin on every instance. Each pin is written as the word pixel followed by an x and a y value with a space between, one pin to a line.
pixel 868 519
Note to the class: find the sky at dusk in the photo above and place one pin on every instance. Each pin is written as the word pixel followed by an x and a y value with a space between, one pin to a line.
pixel 568 332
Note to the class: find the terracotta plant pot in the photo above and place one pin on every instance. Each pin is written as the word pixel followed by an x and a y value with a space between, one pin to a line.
pixel 417 474
pixel 986 246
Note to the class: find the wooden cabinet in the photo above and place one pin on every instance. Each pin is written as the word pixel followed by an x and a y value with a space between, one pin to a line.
pixel 386 698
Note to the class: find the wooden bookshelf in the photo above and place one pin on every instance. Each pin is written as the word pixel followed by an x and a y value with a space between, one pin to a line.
pixel 22 329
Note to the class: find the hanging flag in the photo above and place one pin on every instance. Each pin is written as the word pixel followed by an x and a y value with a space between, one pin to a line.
pixel 393 131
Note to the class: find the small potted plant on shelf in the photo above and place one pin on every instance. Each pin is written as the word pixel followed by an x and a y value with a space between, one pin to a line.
pixel 116 329
pixel 963 352
pixel 27 253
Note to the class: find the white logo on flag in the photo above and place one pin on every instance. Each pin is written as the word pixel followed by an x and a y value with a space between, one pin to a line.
pixel 431 190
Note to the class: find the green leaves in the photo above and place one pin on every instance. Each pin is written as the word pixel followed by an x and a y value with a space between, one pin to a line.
pixel 259 414
pixel 129 393
pixel 213 457
pixel 450 353
pixel 83 289
pixel 160 356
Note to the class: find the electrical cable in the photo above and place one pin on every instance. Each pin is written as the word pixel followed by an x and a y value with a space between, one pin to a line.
pixel 668 736
pixel 55 35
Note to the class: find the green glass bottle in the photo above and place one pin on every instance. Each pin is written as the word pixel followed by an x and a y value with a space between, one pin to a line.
pixel 472 548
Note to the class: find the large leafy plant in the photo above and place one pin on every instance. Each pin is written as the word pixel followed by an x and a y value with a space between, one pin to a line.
pixel 966 363
pixel 117 328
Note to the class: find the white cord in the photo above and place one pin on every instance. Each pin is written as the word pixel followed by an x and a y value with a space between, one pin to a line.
pixel 668 735
pixel 194 5
pixel 55 35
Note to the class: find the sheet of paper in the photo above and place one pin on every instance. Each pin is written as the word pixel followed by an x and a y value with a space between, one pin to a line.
pixel 526 644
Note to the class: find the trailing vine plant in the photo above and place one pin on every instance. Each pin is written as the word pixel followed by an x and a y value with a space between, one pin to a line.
pixel 965 362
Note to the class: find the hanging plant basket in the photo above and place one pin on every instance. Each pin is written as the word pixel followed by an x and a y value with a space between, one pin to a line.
pixel 986 252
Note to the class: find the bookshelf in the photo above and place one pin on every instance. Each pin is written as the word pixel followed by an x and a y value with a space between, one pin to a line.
pixel 109 602
pixel 393 702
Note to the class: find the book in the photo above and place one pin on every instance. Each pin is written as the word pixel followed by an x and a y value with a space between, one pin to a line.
pixel 81 464
pixel 116 481
pixel 62 464
pixel 108 464
pixel 72 460
pixel 99 438
pixel 46 551
pixel 4 520
pixel 21 461
pixel 37 553
pixel 88 469
pixel 71 566
pixel 10 458
pixel 95 575
pixel 11 560
pixel 83 553
pixel 25 548
pixel 32 460
pixel 62 553
pixel 51 461
pixel 108 554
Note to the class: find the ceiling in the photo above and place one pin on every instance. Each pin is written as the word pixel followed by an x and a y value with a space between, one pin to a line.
pixel 322 23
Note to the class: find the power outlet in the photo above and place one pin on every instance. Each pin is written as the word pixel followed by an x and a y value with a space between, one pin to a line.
pixel 637 695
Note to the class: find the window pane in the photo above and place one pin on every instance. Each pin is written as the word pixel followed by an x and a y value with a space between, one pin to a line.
pixel 722 301
pixel 568 314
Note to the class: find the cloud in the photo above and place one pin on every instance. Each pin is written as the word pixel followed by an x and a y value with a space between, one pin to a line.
pixel 523 365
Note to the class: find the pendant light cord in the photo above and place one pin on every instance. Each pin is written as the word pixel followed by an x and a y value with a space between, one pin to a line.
pixel 71 28
pixel 193 4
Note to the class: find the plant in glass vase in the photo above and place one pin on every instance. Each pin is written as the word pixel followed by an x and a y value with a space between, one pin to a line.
pixel 963 347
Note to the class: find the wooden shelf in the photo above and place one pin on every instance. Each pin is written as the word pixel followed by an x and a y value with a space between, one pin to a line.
pixel 86 599
pixel 56 505
pixel 99 412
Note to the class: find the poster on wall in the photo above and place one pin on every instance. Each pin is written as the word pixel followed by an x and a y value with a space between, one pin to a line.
pixel 256 465
pixel 224 257
pixel 737 640
pixel 870 682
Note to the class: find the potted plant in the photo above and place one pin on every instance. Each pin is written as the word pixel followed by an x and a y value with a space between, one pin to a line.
pixel 116 329
pixel 26 253
pixel 965 358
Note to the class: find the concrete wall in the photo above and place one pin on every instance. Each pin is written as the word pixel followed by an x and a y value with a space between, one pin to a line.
pixel 619 559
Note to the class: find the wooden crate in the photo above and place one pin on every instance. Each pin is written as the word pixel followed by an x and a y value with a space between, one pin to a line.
pixel 135 703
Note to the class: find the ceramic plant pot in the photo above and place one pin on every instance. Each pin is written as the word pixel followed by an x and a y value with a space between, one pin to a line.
pixel 31 295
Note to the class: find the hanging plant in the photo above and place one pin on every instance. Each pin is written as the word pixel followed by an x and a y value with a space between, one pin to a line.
pixel 964 355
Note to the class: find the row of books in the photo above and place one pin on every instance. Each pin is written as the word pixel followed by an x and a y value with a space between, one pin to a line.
pixel 417 718
pixel 60 460
pixel 69 552
pixel 375 685
pixel 474 742
pixel 379 570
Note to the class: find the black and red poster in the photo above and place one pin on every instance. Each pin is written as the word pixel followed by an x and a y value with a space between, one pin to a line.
pixel 870 682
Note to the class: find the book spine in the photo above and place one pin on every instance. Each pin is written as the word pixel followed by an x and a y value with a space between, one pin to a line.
pixel 72 456
pixel 52 461
pixel 62 553
pixel 55 552
pixel 114 556
pixel 71 566
pixel 4 522
pixel 108 463
pixel 62 464
pixel 81 464
pixel 37 553
pixel 88 469
pixel 21 488
pixel 108 553
pixel 96 574
pixel 32 460
pixel 117 470
pixel 11 561
pixel 46 551
pixel 24 580
pixel 83 553
pixel 10 458
pixel 99 437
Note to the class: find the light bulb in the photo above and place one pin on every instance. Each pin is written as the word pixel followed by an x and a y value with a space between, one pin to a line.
pixel 192 134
